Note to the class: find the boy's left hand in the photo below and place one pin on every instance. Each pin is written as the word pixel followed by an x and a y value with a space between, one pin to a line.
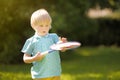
pixel 62 40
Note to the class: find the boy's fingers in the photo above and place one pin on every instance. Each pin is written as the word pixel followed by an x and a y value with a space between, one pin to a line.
pixel 64 39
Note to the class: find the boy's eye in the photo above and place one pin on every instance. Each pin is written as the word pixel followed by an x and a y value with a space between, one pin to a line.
pixel 46 25
pixel 41 25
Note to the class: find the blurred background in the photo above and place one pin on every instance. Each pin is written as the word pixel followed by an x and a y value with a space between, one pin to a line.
pixel 94 23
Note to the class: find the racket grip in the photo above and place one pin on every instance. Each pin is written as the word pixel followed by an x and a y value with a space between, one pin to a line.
pixel 49 51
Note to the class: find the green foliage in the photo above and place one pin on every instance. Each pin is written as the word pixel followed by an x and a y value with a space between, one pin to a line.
pixel 71 20
pixel 11 27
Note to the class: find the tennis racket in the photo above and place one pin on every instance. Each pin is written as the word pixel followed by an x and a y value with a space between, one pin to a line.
pixel 60 46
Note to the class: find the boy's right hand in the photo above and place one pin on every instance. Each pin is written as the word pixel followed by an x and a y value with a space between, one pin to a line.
pixel 38 56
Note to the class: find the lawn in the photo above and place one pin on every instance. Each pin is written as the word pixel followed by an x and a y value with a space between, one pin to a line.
pixel 85 63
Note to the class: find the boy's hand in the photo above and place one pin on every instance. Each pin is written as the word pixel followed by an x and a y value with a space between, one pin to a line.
pixel 38 56
pixel 62 40
pixel 63 49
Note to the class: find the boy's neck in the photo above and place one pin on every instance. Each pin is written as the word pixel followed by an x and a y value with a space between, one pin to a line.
pixel 40 34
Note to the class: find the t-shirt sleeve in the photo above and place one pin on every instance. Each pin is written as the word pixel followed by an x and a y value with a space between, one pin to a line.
pixel 28 47
pixel 56 38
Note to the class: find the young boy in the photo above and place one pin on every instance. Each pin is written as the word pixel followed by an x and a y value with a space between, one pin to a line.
pixel 45 66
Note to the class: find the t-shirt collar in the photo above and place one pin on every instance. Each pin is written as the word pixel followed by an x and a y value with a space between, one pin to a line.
pixel 37 36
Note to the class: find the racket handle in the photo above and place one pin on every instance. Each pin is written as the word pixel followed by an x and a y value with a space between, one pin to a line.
pixel 49 51
pixel 46 52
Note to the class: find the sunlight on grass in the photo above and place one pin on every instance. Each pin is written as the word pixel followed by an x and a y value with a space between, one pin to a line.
pixel 14 76
pixel 91 76
pixel 114 75
pixel 67 77
pixel 81 76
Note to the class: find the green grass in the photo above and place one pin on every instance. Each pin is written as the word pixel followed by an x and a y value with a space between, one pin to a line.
pixel 85 63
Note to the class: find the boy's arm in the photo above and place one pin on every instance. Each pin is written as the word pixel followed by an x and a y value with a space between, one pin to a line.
pixel 27 58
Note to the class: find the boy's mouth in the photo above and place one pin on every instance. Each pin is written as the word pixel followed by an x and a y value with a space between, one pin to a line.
pixel 44 31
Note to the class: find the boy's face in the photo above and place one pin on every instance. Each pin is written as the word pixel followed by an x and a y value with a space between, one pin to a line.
pixel 42 29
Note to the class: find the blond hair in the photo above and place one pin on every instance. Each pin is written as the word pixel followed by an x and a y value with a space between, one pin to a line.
pixel 40 16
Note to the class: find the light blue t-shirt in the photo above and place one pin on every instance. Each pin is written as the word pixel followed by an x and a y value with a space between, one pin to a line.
pixel 50 65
